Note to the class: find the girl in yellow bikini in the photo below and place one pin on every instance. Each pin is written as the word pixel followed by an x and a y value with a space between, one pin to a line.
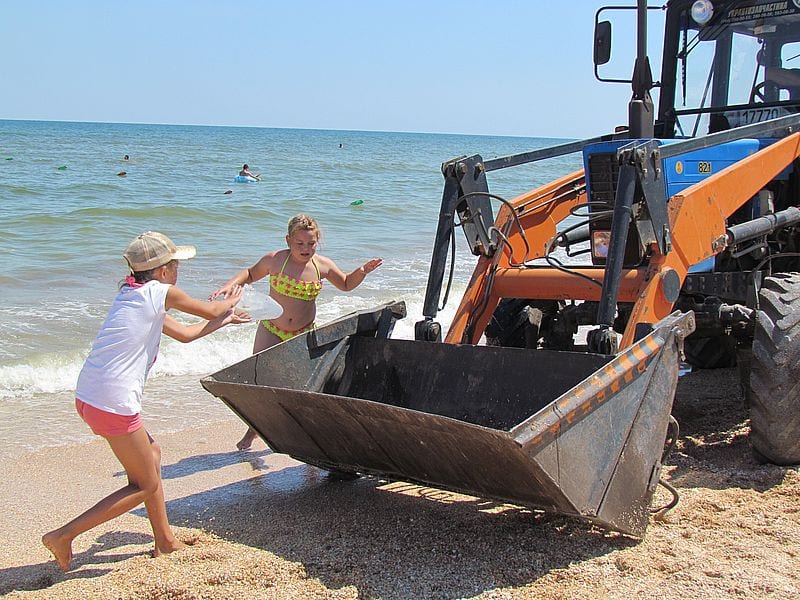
pixel 295 281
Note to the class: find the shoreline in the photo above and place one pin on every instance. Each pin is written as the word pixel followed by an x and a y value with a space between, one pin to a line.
pixel 171 404
pixel 265 525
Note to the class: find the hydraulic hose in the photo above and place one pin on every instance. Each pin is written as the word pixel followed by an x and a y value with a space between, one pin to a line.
pixel 619 239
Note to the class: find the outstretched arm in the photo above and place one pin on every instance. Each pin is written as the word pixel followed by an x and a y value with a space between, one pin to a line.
pixel 189 333
pixel 258 271
pixel 180 300
pixel 351 280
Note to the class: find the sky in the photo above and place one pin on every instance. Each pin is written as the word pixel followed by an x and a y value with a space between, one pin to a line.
pixel 520 68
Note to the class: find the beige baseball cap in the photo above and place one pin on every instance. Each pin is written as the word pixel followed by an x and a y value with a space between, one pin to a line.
pixel 152 249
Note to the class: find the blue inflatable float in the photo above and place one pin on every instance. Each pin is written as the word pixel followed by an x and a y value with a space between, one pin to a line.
pixel 244 179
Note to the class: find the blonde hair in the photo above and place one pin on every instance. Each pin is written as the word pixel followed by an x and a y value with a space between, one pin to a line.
pixel 303 222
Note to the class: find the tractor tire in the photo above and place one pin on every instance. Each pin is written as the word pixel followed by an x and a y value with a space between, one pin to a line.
pixel 774 394
pixel 508 323
pixel 718 352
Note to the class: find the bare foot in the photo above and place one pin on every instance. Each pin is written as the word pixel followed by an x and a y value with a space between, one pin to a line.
pixel 247 440
pixel 60 548
pixel 167 548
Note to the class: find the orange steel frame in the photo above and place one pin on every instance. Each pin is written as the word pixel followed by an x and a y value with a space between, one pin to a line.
pixel 697 218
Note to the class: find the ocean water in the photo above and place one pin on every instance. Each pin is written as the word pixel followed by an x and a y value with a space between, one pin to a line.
pixel 66 216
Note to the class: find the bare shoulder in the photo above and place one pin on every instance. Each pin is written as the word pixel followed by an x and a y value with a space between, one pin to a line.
pixel 324 264
pixel 270 261
pixel 322 260
pixel 268 264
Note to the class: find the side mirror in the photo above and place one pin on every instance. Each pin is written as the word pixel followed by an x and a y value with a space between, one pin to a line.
pixel 602 43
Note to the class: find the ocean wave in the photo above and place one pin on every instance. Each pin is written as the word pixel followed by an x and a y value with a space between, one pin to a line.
pixel 206 355
pixel 54 372
pixel 149 212
pixel 46 374
pixel 17 190
pixel 58 372
pixel 87 187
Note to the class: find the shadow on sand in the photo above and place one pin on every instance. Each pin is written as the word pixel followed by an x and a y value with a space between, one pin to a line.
pixel 211 462
pixel 43 575
pixel 371 534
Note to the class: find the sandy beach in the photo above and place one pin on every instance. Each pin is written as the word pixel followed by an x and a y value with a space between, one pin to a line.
pixel 263 525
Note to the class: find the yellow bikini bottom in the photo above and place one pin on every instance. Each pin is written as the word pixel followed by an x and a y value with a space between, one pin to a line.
pixel 282 333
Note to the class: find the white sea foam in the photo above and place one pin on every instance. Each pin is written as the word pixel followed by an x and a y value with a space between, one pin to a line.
pixel 45 374
pixel 205 355
pixel 58 371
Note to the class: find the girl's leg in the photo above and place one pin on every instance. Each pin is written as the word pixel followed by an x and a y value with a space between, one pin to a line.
pixel 264 339
pixel 144 480
pixel 165 540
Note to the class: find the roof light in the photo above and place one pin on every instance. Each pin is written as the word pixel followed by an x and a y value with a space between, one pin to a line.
pixel 702 11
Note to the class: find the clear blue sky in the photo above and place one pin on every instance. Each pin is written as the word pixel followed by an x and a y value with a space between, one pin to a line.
pixel 505 67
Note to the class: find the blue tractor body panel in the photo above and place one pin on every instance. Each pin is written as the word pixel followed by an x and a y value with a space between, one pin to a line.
pixel 681 172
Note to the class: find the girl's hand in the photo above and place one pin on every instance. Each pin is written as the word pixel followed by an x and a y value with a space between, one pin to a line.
pixel 369 266
pixel 243 315
pixel 237 318
pixel 224 291
pixel 235 294
pixel 232 317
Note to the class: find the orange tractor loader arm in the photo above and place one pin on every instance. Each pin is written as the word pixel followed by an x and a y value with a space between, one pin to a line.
pixel 697 219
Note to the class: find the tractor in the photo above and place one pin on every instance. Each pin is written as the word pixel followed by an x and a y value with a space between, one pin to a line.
pixel 676 244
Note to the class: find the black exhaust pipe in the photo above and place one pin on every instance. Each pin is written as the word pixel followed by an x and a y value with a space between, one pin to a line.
pixel 641 117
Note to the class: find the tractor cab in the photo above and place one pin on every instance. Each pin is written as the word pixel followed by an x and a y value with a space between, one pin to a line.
pixel 725 64
pixel 729 64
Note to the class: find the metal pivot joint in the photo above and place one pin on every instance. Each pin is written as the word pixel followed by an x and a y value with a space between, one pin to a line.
pixel 466 195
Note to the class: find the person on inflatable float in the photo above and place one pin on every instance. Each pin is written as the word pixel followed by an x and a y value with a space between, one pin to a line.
pixel 245 172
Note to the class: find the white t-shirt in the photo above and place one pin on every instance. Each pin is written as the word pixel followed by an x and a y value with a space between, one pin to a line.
pixel 113 376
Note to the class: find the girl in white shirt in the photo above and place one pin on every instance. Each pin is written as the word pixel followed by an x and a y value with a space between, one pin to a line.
pixel 111 383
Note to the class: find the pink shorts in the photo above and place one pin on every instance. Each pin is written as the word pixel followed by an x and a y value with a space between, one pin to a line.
pixel 106 423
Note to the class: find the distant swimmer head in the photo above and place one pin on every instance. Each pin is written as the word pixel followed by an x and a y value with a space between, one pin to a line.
pixel 152 249
pixel 126 157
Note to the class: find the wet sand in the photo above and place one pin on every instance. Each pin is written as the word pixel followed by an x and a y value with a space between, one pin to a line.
pixel 263 525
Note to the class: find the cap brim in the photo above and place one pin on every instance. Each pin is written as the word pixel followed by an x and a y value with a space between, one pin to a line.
pixel 184 252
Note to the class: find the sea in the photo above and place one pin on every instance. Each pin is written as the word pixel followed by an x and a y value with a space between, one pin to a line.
pixel 70 203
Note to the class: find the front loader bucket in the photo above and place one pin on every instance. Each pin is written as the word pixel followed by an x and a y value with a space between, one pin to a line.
pixel 573 433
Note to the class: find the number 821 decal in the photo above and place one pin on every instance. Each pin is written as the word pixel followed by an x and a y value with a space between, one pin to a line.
pixel 704 167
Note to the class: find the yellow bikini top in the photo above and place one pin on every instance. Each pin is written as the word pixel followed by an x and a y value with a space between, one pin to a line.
pixel 295 288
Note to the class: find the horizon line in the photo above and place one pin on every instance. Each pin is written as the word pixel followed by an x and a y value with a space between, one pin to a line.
pixel 76 121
